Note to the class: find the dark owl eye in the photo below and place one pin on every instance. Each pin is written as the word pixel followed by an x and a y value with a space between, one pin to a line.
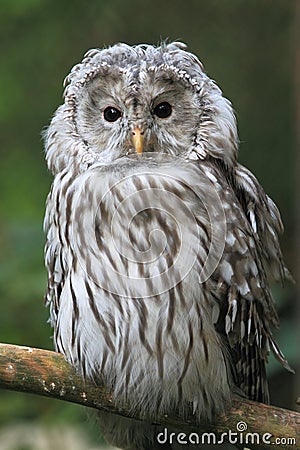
pixel 163 110
pixel 111 114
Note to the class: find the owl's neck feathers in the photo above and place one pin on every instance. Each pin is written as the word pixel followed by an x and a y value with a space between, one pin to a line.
pixel 217 132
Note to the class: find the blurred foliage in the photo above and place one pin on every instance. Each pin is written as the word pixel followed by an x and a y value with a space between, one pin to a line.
pixel 246 46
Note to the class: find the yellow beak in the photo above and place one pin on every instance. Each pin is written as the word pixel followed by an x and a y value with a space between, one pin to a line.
pixel 137 140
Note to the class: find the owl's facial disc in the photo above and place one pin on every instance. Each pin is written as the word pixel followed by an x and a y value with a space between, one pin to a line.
pixel 118 115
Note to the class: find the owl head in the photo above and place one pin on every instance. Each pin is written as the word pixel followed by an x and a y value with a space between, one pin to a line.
pixel 126 100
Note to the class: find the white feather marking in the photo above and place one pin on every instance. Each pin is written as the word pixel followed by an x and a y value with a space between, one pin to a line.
pixel 210 176
pixel 234 310
pixel 226 271
pixel 228 324
pixel 195 405
pixel 253 220
pixel 244 288
pixel 249 325
pixel 230 239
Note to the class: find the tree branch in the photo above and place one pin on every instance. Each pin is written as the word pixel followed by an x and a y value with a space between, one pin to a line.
pixel 47 373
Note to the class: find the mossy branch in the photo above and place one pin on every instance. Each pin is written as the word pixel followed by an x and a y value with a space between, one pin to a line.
pixel 44 372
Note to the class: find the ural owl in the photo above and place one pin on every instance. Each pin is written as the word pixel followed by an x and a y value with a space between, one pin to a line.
pixel 160 245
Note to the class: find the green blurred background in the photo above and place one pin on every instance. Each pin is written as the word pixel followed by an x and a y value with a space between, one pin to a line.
pixel 249 48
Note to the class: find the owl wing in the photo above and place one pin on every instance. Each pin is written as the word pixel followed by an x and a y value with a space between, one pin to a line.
pixel 265 221
pixel 252 258
pixel 56 248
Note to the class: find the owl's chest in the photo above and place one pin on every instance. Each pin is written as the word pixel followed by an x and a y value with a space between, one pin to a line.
pixel 138 235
